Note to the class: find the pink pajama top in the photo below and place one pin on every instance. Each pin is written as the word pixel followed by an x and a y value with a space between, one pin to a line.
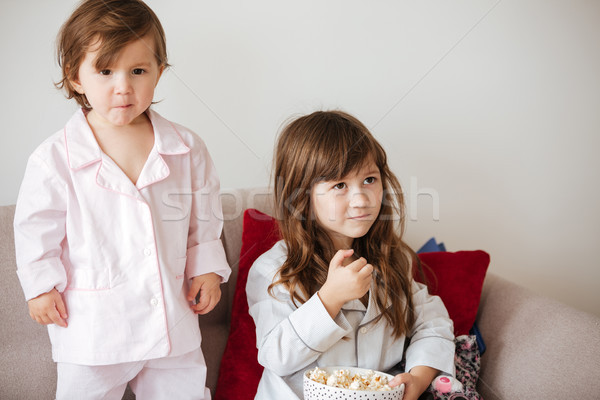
pixel 120 253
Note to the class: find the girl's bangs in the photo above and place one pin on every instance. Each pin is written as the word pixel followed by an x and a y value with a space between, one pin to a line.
pixel 349 154
pixel 112 43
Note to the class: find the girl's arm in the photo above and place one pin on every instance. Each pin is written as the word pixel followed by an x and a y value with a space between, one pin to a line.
pixel 40 228
pixel 205 252
pixel 288 338
pixel 431 347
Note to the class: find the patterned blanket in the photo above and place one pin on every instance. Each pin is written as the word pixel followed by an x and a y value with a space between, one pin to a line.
pixel 468 361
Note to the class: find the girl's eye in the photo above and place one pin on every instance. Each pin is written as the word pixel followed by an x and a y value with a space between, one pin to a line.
pixel 340 186
pixel 370 180
pixel 138 71
pixel 105 72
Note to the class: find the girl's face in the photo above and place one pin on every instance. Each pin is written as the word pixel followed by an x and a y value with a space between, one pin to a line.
pixel 120 93
pixel 346 209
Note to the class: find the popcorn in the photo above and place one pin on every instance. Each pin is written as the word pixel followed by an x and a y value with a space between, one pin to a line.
pixel 318 375
pixel 342 378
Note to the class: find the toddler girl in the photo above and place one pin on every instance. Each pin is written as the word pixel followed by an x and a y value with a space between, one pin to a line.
pixel 338 289
pixel 118 220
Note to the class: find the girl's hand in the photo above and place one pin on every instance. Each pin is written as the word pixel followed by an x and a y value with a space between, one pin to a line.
pixel 415 381
pixel 209 286
pixel 345 283
pixel 48 308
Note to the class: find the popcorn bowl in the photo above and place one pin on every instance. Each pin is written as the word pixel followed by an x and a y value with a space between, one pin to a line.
pixel 314 390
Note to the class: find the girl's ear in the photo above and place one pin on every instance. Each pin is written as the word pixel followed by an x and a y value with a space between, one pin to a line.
pixel 77 86
pixel 160 71
pixel 75 83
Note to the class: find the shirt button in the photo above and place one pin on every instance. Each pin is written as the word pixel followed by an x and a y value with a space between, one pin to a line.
pixel 147 252
pixel 363 330
pixel 154 302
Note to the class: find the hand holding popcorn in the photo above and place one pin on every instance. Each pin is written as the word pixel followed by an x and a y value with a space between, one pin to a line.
pixel 415 381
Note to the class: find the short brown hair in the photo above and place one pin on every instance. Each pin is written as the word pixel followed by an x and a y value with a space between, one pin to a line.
pixel 113 24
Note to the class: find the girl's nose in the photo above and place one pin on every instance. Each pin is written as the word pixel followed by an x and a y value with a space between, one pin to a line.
pixel 359 199
pixel 122 84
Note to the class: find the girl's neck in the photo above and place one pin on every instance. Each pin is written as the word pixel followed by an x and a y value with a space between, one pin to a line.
pixel 128 146
pixel 103 128
pixel 341 243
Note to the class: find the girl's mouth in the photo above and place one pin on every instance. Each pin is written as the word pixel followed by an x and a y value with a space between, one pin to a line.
pixel 360 217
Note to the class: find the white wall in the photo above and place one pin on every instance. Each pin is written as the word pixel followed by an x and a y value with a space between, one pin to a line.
pixel 490 106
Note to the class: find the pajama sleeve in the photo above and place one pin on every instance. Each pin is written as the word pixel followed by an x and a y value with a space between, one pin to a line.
pixel 39 227
pixel 432 336
pixel 205 252
pixel 289 338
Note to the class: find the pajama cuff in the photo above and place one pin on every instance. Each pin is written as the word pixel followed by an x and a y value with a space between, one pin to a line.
pixel 314 326
pixel 434 352
pixel 207 257
pixel 41 277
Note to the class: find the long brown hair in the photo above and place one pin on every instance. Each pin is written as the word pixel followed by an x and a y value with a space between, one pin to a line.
pixel 328 145
pixel 112 23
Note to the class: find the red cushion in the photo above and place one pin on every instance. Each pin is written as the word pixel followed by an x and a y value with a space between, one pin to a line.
pixel 458 281
pixel 240 372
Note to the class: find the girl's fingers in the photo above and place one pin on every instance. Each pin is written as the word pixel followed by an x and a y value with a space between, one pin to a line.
pixel 207 301
pixel 61 308
pixel 55 318
pixel 203 301
pixel 193 291
pixel 366 270
pixel 48 308
pixel 210 304
pixel 357 265
pixel 398 379
pixel 209 307
pixel 339 257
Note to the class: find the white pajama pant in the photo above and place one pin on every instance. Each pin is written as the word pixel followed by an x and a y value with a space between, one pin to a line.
pixel 181 377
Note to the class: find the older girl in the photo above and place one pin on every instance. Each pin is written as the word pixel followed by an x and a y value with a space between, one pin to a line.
pixel 338 289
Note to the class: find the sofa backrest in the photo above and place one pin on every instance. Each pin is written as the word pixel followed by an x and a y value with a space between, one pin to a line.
pixel 235 202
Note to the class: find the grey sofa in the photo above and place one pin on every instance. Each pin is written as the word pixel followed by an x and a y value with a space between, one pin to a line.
pixel 537 348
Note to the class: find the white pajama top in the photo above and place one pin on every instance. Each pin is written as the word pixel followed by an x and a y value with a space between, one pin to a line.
pixel 120 253
pixel 292 339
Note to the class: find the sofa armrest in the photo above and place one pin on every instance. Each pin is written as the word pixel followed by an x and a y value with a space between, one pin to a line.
pixel 537 348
